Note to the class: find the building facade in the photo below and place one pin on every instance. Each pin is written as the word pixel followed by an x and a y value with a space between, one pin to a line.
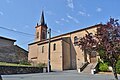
pixel 64 54
pixel 10 52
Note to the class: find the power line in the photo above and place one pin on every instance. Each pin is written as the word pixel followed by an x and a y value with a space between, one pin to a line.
pixel 56 32
pixel 24 32
pixel 16 31
pixel 25 42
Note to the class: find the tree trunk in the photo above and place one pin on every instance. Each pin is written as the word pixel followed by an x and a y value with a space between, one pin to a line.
pixel 114 72
pixel 1 78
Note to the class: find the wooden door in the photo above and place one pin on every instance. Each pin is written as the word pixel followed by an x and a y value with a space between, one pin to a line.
pixel 93 57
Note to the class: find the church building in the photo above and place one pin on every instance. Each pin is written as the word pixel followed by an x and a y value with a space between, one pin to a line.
pixel 64 54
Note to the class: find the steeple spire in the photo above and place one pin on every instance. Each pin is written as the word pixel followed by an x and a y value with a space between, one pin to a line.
pixel 42 21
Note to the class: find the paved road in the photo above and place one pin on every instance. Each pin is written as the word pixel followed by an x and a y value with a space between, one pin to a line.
pixel 66 75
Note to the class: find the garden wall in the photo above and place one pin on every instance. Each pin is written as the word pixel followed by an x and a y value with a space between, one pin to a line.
pixel 5 70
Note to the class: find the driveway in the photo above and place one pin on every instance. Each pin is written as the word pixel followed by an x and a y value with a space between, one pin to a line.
pixel 65 75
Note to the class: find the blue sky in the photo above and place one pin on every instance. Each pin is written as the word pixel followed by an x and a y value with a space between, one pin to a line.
pixel 62 16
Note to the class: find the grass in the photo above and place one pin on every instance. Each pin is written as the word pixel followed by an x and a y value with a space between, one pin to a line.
pixel 12 64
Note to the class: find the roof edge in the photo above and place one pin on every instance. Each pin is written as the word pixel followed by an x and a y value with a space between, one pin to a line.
pixel 7 38
pixel 70 32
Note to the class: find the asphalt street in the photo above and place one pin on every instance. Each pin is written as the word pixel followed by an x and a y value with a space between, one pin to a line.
pixel 66 75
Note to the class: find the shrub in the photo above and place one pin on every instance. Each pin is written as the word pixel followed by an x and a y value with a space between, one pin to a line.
pixel 23 62
pixel 40 65
pixel 118 67
pixel 103 67
pixel 101 53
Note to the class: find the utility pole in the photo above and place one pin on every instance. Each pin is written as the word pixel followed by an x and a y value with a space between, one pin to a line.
pixel 49 66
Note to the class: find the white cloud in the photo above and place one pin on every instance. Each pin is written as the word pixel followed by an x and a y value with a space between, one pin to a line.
pixel 57 22
pixel 70 4
pixel 59 31
pixel 14 29
pixel 65 20
pixel 50 13
pixel 99 9
pixel 1 13
pixel 76 21
pixel 82 13
pixel 88 15
pixel 72 18
pixel 61 21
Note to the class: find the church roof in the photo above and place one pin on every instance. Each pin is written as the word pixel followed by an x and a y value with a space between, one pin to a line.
pixel 79 30
pixel 67 33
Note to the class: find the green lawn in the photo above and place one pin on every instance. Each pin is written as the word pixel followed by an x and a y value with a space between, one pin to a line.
pixel 12 64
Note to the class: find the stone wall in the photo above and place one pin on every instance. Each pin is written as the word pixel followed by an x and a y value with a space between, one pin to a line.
pixel 13 54
pixel 21 54
pixel 5 70
pixel 7 54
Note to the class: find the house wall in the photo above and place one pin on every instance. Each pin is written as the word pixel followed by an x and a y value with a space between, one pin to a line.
pixel 21 54
pixel 7 53
pixel 10 52
pixel 4 42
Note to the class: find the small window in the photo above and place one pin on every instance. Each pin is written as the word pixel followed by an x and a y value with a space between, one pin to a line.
pixel 75 39
pixel 54 47
pixel 43 35
pixel 37 35
pixel 42 49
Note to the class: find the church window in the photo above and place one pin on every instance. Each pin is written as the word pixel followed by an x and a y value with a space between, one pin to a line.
pixel 75 38
pixel 42 49
pixel 54 47
pixel 43 35
pixel 37 35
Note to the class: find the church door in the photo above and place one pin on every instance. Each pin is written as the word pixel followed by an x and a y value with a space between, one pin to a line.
pixel 93 57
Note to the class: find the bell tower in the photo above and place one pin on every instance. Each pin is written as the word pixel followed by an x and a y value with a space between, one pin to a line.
pixel 41 29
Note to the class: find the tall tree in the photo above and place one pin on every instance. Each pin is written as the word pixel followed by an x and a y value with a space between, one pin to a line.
pixel 107 39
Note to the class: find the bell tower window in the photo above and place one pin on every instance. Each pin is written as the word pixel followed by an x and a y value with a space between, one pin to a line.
pixel 37 35
pixel 43 35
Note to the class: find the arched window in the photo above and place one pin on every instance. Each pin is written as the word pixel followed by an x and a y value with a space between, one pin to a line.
pixel 75 39
pixel 54 47
pixel 42 49
pixel 43 35
pixel 37 35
